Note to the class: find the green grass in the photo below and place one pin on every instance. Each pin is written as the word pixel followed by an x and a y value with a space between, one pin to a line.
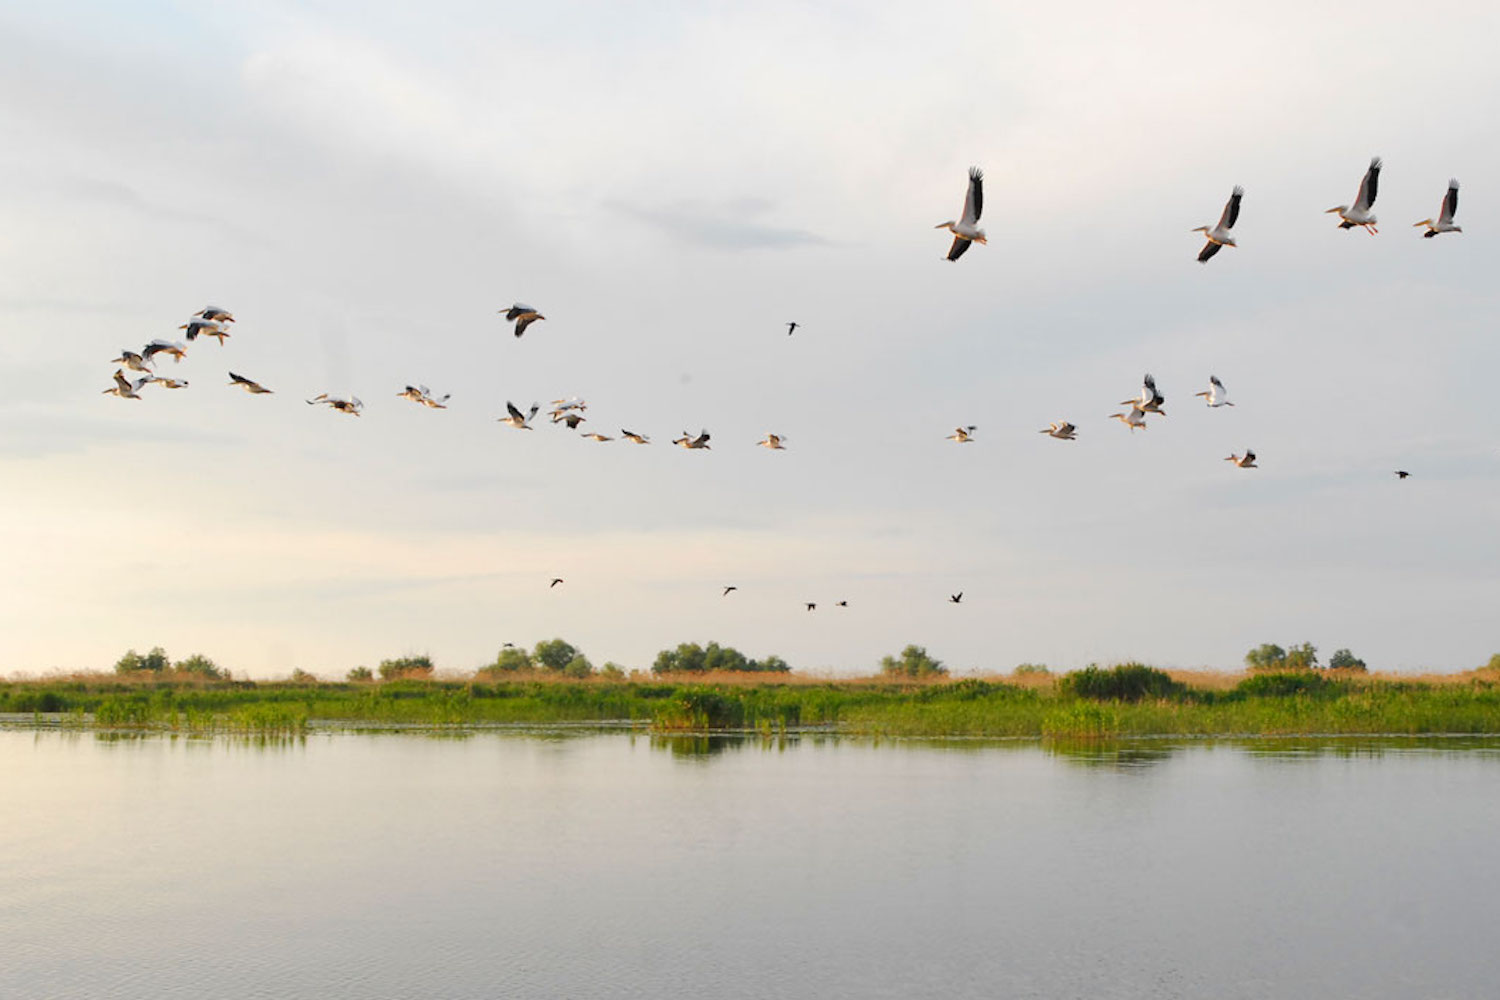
pixel 1089 705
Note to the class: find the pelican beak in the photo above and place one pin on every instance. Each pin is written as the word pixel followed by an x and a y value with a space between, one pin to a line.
pixel 1330 211
pixel 982 239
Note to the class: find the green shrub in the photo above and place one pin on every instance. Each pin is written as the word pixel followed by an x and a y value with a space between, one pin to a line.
pixel 1285 684
pixel 913 662
pixel 406 666
pixel 1126 682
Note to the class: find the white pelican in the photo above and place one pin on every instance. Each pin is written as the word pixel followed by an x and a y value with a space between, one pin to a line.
pixel 170 383
pixel 207 327
pixel 131 360
pixel 177 351
pixel 523 316
pixel 250 386
pixel 351 406
pixel 561 406
pixel 124 388
pixel 688 441
pixel 1444 223
pixel 963 435
pixel 520 421
pixel 773 441
pixel 415 393
pixel 1135 418
pixel 1062 430
pixel 441 403
pixel 1149 401
pixel 1215 395
pixel 1360 215
pixel 1218 236
pixel 214 314
pixel 633 437
pixel 1245 461
pixel 598 437
pixel 966 230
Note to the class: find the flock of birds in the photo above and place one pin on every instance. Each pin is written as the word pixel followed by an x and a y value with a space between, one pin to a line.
pixel 216 323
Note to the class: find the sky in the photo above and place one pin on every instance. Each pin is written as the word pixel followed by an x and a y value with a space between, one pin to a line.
pixel 366 186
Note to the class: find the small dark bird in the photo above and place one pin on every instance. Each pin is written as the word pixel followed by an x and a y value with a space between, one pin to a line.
pixel 1402 473
pixel 811 606
pixel 555 581
pixel 956 598
pixel 842 604
pixel 727 590
pixel 507 645
pixel 791 328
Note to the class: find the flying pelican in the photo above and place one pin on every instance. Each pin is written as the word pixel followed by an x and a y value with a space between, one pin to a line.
pixel 1245 461
pixel 415 393
pixel 562 406
pixel 571 419
pixel 963 435
pixel 1218 236
pixel 207 327
pixel 1402 473
pixel 124 388
pixel 841 604
pixel 791 328
pixel 177 351
pixel 440 403
pixel 688 441
pixel 811 606
pixel 1149 401
pixel 966 230
pixel 1135 418
pixel 728 590
pixel 773 441
pixel 555 581
pixel 1360 215
pixel 1444 223
pixel 214 314
pixel 131 360
pixel 250 386
pixel 523 316
pixel 634 438
pixel 1062 430
pixel 351 406
pixel 598 437
pixel 170 383
pixel 1215 395
pixel 956 598
pixel 517 419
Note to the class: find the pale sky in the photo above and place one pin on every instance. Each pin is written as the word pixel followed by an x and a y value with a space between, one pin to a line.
pixel 366 186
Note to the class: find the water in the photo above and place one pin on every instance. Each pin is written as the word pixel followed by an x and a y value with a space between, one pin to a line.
pixel 614 865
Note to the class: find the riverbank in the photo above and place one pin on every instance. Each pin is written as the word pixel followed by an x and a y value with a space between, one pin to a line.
pixel 1123 701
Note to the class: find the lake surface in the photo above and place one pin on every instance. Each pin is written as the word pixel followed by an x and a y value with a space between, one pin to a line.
pixel 618 865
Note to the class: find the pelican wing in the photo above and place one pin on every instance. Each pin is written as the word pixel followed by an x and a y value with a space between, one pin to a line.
pixel 1369 187
pixel 974 200
pixel 517 310
pixel 526 320
pixel 1231 209
pixel 1450 204
pixel 515 414
pixel 959 247
pixel 1208 251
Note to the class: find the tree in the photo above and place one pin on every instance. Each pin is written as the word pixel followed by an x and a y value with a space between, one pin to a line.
pixel 406 666
pixel 300 676
pixel 509 660
pixel 360 674
pixel 914 662
pixel 687 658
pixel 201 666
pixel 555 654
pixel 1494 663
pixel 1266 656
pixel 1303 657
pixel 129 663
pixel 132 662
pixel 772 664
pixel 612 671
pixel 1342 659
pixel 579 666
pixel 691 658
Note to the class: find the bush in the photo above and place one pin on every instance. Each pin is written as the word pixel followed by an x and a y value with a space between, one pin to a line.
pixel 360 675
pixel 133 662
pixel 691 658
pixel 1030 670
pixel 1342 659
pixel 300 676
pixel 1494 663
pixel 555 654
pixel 1285 685
pixel 1266 656
pixel 509 660
pixel 913 662
pixel 1303 657
pixel 1126 682
pixel 612 671
pixel 406 666
pixel 579 666
pixel 200 666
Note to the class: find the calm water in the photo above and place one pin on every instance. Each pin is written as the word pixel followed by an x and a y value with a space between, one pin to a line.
pixel 611 865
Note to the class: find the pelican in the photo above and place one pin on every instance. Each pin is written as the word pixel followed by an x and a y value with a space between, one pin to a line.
pixel 773 441
pixel 250 386
pixel 214 314
pixel 688 441
pixel 841 604
pixel 957 598
pixel 561 406
pixel 966 230
pixel 811 606
pixel 351 406
pixel 1135 418
pixel 523 316
pixel 634 438
pixel 436 404
pixel 207 327
pixel 598 437
pixel 555 581
pixel 1444 223
pixel 177 351
pixel 170 383
pixel 124 388
pixel 517 419
pixel 1218 236
pixel 571 419
pixel 415 393
pixel 1360 215
pixel 1402 473
pixel 1245 461
pixel 1215 395
pixel 791 328
pixel 131 360
pixel 1149 400
pixel 1062 430
pixel 963 435
pixel 728 590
